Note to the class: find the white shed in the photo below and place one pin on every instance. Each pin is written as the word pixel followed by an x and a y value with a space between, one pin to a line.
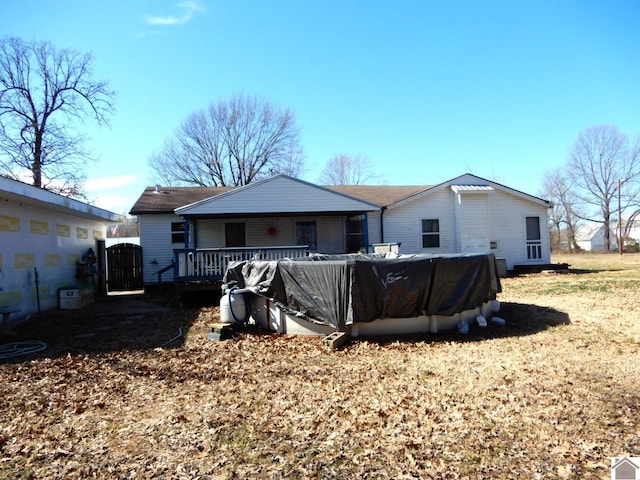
pixel 43 235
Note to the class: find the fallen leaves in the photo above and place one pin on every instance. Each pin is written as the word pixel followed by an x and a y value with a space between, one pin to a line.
pixel 520 401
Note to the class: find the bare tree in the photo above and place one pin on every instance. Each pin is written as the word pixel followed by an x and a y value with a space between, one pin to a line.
pixel 234 142
pixel 601 159
pixel 564 217
pixel 127 229
pixel 44 94
pixel 345 169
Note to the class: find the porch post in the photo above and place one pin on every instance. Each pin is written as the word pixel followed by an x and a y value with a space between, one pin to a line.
pixel 186 232
pixel 366 231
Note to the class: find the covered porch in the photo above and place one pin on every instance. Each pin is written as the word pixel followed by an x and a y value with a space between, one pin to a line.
pixel 280 217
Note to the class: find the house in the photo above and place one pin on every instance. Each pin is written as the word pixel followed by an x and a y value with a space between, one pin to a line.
pixel 590 236
pixel 200 229
pixel 43 238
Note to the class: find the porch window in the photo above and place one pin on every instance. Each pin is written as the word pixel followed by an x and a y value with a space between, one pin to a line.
pixel 177 232
pixel 307 234
pixel 430 233
pixel 234 235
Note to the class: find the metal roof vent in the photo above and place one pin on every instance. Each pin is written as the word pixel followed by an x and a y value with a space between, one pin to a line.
pixel 158 189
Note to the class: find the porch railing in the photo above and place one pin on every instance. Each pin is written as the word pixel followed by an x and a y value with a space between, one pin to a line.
pixel 191 264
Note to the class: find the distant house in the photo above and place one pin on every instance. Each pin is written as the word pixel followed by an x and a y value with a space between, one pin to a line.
pixel 206 226
pixel 43 236
pixel 590 237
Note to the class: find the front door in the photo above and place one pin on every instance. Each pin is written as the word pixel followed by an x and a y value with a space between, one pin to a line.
pixel 307 234
pixel 354 234
pixel 534 242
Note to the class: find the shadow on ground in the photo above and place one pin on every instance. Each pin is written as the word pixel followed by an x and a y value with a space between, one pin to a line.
pixel 139 323
pixel 113 323
pixel 520 320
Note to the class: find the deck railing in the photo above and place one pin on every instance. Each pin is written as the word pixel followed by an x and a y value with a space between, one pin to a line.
pixel 191 264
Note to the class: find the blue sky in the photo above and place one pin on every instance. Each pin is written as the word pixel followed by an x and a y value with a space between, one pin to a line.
pixel 426 90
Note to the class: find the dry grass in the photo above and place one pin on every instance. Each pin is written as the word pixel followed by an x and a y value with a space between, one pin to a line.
pixel 553 394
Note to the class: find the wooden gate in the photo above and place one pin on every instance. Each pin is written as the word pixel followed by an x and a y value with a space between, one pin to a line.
pixel 124 267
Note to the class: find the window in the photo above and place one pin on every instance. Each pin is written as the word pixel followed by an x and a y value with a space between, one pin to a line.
pixel 306 234
pixel 533 228
pixel 430 233
pixel 234 235
pixel 177 232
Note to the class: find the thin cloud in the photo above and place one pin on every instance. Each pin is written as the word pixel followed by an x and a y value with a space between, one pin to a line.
pixel 108 183
pixel 189 9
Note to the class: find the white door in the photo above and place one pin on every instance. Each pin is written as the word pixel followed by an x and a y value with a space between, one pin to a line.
pixel 534 240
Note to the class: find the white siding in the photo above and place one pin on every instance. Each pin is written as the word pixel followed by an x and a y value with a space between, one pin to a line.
pixel 49 242
pixel 330 232
pixel 505 217
pixel 157 249
pixel 473 222
pixel 209 233
pixel 374 227
pixel 507 224
pixel 331 235
pixel 277 194
pixel 404 223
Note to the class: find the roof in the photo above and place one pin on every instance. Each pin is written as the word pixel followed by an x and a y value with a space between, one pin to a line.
pixel 469 183
pixel 28 194
pixel 172 198
pixel 167 199
pixel 381 195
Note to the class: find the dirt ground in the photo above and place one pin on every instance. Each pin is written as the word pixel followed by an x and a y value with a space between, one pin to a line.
pixel 144 394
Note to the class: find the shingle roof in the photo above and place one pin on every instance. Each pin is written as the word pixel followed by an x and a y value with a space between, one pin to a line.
pixel 170 198
pixel 383 195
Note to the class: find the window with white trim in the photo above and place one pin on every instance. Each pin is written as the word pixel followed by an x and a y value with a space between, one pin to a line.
pixel 177 232
pixel 430 233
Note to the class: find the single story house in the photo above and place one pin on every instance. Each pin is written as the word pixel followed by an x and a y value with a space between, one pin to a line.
pixel 200 229
pixel 43 239
pixel 590 236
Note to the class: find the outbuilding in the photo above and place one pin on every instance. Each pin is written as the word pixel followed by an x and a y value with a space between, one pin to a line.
pixel 48 243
